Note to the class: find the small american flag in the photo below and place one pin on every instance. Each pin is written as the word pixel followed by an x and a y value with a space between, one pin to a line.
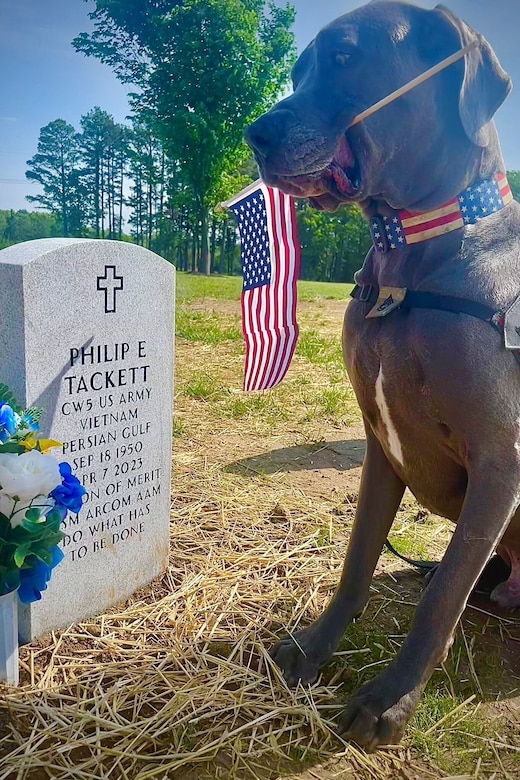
pixel 270 265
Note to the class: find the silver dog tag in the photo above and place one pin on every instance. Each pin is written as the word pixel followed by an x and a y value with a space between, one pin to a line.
pixel 512 325
pixel 389 298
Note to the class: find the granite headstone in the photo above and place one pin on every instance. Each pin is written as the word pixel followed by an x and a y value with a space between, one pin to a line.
pixel 87 334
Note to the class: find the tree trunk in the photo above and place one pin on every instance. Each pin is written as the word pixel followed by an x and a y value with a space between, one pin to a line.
pixel 121 197
pixel 205 258
pixel 222 249
pixel 150 214
pixel 109 194
pixel 96 195
pixel 102 193
pixel 64 197
pixel 231 244
pixel 194 254
pixel 213 244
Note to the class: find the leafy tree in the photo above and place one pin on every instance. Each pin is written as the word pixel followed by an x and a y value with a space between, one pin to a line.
pixel 55 167
pixel 102 142
pixel 22 225
pixel 204 69
pixel 333 245
pixel 147 168
pixel 514 182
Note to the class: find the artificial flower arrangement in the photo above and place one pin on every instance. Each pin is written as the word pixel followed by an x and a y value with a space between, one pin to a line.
pixel 36 494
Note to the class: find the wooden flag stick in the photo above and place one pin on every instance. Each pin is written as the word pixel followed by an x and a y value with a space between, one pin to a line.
pixel 414 82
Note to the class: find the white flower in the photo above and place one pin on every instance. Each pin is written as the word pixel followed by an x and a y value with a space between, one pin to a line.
pixel 26 477
pixel 29 474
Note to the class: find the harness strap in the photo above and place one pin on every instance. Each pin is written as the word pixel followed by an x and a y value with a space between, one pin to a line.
pixel 414 299
pixel 369 293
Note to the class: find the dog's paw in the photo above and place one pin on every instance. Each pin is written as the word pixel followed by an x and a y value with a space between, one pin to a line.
pixel 375 717
pixel 298 658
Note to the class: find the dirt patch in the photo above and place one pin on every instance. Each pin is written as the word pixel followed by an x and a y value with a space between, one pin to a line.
pixel 325 468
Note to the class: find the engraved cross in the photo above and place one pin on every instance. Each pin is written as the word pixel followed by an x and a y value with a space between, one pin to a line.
pixel 110 283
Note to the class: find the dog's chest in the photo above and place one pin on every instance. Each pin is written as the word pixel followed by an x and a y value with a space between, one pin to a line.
pixel 385 363
pixel 382 367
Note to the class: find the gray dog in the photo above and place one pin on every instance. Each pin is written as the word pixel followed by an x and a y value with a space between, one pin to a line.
pixel 430 337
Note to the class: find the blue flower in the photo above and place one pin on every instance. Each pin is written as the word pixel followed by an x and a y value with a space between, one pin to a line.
pixel 69 495
pixel 34 580
pixel 8 422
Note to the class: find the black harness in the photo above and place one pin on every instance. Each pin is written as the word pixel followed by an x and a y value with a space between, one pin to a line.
pixel 506 322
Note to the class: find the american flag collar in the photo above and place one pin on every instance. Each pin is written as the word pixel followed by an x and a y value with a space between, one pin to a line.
pixel 474 203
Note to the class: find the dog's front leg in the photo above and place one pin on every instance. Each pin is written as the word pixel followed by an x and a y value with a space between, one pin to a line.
pixel 301 656
pixel 379 711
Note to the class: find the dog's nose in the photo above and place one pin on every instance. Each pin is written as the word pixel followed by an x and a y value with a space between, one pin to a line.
pixel 267 131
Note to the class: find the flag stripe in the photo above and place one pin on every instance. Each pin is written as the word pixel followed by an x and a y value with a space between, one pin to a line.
pixel 434 231
pixel 272 204
pixel 276 200
pixel 434 223
pixel 288 291
pixel 258 337
pixel 271 261
pixel 505 189
pixel 408 218
pixel 289 341
pixel 263 335
pixel 248 303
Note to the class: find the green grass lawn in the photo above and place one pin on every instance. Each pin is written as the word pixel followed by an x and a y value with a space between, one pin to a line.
pixel 191 287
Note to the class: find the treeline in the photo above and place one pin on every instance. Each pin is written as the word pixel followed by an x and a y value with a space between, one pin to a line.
pixel 22 225
pixel 109 179
pixel 116 181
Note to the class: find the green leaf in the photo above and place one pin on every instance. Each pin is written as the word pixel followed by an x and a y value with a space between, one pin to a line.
pixel 8 398
pixel 44 555
pixel 9 580
pixel 35 413
pixel 12 446
pixel 54 518
pixel 21 554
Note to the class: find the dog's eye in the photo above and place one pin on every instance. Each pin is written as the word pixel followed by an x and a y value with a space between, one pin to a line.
pixel 341 58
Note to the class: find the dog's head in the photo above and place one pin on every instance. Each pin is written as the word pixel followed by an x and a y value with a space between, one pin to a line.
pixel 420 150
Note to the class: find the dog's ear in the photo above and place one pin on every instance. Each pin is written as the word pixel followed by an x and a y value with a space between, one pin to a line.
pixel 485 85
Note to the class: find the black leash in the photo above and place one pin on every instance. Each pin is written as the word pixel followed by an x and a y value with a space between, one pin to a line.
pixel 423 566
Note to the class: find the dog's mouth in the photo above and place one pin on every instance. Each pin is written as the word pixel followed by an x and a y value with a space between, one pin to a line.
pixel 326 188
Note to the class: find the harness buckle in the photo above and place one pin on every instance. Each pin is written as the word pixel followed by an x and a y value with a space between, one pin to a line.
pixel 512 325
pixel 365 292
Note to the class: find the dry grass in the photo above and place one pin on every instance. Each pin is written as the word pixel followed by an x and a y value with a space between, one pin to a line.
pixel 178 683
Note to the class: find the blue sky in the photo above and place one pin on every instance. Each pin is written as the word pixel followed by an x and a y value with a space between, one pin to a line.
pixel 44 79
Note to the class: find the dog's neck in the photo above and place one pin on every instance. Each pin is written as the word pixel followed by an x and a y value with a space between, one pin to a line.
pixel 439 178
pixel 404 228
pixel 428 265
pixel 471 198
